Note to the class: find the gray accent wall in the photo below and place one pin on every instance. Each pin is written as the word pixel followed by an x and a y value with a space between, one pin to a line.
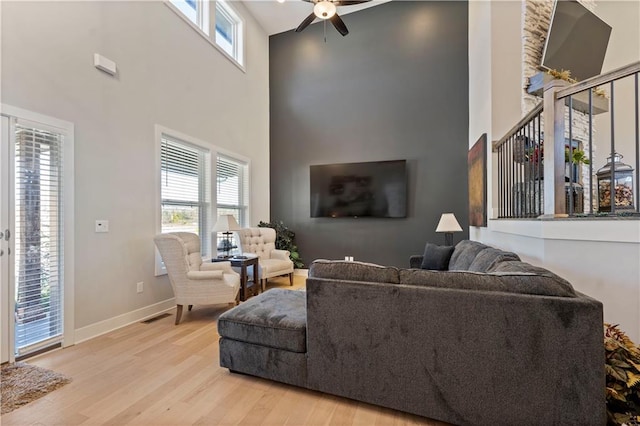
pixel 395 88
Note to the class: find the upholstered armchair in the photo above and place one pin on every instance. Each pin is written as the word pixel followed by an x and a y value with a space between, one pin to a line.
pixel 193 281
pixel 272 262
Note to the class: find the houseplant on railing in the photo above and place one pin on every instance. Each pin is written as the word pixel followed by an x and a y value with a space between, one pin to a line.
pixel 285 240
pixel 622 366
pixel 536 154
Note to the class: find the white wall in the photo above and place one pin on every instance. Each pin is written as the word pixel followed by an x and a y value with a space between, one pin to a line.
pixel 600 258
pixel 168 75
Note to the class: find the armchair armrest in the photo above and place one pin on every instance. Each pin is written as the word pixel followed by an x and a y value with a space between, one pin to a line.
pixel 205 275
pixel 415 261
pixel 225 267
pixel 280 254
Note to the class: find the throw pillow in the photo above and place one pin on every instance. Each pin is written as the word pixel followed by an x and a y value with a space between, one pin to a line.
pixel 436 257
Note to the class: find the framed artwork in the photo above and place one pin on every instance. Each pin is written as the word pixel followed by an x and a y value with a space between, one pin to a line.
pixel 477 163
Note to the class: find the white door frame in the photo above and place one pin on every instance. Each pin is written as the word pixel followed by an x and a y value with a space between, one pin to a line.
pixel 6 319
pixel 68 270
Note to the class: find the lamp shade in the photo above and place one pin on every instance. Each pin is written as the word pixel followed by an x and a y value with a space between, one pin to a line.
pixel 324 9
pixel 448 223
pixel 226 223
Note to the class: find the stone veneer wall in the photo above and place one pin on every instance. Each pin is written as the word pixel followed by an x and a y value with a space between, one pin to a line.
pixel 536 17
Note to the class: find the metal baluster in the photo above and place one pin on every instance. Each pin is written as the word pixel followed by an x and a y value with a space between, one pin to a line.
pixel 570 209
pixel 591 192
pixel 637 115
pixel 612 185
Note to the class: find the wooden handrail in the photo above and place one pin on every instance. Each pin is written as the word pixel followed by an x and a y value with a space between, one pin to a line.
pixel 526 119
pixel 598 80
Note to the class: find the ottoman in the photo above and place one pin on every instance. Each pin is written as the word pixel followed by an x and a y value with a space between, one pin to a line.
pixel 266 336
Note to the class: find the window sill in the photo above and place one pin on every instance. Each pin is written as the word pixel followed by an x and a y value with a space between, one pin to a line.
pixel 205 36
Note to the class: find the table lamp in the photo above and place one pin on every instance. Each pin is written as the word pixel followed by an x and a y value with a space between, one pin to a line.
pixel 225 224
pixel 448 224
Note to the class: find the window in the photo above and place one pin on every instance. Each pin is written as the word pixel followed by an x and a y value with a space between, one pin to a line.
pixel 185 194
pixel 227 34
pixel 232 191
pixel 196 11
pixel 188 201
pixel 229 31
pixel 232 188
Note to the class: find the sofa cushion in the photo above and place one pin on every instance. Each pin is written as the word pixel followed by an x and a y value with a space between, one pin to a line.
pixel 489 257
pixel 464 254
pixel 353 271
pixel 276 318
pixel 523 268
pixel 436 257
pixel 509 282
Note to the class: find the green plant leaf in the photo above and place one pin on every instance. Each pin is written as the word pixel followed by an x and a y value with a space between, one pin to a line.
pixel 620 363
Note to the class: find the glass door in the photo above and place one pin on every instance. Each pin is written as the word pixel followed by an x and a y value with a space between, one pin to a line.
pixel 38 255
pixel 32 242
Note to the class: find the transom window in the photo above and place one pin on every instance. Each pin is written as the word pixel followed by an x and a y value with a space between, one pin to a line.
pixel 229 28
pixel 227 34
pixel 197 11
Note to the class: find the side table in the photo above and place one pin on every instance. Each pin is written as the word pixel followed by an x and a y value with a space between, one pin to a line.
pixel 243 262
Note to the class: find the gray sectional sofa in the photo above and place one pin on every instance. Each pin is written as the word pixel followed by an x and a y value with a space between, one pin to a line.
pixel 491 341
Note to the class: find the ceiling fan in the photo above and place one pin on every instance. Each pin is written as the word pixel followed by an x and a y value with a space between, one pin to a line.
pixel 326 9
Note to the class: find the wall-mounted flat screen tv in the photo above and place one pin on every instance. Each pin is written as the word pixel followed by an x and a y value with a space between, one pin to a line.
pixel 371 189
pixel 577 41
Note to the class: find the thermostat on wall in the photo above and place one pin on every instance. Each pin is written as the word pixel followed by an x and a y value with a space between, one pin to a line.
pixel 104 64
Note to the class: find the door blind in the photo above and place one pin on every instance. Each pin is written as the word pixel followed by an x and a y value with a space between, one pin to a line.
pixel 39 234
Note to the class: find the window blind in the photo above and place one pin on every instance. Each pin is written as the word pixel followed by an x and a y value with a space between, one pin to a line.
pixel 232 188
pixel 39 238
pixel 185 176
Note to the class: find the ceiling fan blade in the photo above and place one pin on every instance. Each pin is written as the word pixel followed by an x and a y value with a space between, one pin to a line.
pixel 339 24
pixel 304 24
pixel 349 2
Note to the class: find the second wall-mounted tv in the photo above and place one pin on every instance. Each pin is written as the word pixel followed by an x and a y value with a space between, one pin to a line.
pixel 371 189
pixel 577 41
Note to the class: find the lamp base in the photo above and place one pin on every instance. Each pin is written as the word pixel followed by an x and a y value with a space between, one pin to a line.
pixel 448 238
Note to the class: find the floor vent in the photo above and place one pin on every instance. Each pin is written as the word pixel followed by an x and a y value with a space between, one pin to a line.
pixel 156 318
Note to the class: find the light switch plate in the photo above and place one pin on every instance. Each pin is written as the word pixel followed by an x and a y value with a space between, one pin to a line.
pixel 102 225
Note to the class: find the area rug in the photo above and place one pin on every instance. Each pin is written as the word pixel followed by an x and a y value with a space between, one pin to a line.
pixel 22 383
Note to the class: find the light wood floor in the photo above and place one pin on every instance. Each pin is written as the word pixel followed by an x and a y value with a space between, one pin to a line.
pixel 162 374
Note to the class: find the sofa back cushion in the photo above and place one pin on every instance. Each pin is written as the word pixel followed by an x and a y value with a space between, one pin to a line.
pixel 545 284
pixel 464 254
pixel 517 268
pixel 353 271
pixel 489 257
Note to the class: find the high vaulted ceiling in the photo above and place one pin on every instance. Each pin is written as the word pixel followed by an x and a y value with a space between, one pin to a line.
pixel 277 17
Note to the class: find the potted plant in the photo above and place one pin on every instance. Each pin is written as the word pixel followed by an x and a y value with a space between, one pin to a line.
pixel 622 366
pixel 536 154
pixel 285 240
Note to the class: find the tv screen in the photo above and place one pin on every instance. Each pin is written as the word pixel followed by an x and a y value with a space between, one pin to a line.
pixel 372 189
pixel 577 41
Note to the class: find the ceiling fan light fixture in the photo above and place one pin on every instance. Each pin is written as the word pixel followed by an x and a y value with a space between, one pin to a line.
pixel 324 9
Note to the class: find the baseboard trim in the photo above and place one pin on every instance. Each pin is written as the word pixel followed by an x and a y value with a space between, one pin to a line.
pixel 111 324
